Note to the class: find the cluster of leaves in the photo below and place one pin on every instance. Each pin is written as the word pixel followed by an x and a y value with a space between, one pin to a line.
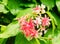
pixel 9 27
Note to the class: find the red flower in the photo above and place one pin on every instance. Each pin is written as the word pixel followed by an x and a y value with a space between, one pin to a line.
pixel 28 29
pixel 45 21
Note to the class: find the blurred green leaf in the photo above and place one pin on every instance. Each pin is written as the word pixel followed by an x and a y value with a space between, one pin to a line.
pixel 3 9
pixel 0 1
pixel 53 21
pixel 2 41
pixel 56 39
pixel 11 30
pixel 49 42
pixel 5 2
pixel 48 3
pixel 57 25
pixel 20 39
pixel 13 6
pixel 57 20
pixel 23 12
pixel 43 41
pixel 49 33
pixel 3 28
pixel 27 5
pixel 58 4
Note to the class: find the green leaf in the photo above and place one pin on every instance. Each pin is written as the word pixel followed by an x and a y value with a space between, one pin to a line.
pixel 0 1
pixel 53 21
pixel 58 4
pixel 57 20
pixel 56 39
pixel 24 12
pixel 13 6
pixel 5 2
pixel 48 3
pixel 57 26
pixel 43 41
pixel 3 9
pixel 11 30
pixel 49 42
pixel 34 41
pixel 27 5
pixel 2 41
pixel 48 33
pixel 3 28
pixel 21 39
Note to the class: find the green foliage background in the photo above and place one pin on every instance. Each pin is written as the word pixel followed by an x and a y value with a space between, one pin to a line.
pixel 9 27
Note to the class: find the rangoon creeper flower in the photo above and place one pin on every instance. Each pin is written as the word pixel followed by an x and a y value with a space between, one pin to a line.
pixel 42 8
pixel 45 21
pixel 37 9
pixel 29 29
pixel 34 26
pixel 37 21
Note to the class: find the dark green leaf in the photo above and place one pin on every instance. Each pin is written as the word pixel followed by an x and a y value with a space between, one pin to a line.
pixel 48 3
pixel 58 4
pixel 48 33
pixel 13 6
pixel 21 39
pixel 2 41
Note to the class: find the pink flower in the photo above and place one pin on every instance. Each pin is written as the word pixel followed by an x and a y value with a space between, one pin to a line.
pixel 36 10
pixel 39 9
pixel 28 29
pixel 45 21
pixel 37 21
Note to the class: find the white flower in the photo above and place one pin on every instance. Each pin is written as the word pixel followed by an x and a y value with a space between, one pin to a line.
pixel 43 11
pixel 42 6
pixel 38 20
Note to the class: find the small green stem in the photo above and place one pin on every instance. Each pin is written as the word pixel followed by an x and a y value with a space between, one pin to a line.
pixel 37 40
pixel 53 22
pixel 44 39
pixel 53 27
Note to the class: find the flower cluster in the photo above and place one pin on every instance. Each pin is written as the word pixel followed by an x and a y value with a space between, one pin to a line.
pixel 39 9
pixel 32 27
